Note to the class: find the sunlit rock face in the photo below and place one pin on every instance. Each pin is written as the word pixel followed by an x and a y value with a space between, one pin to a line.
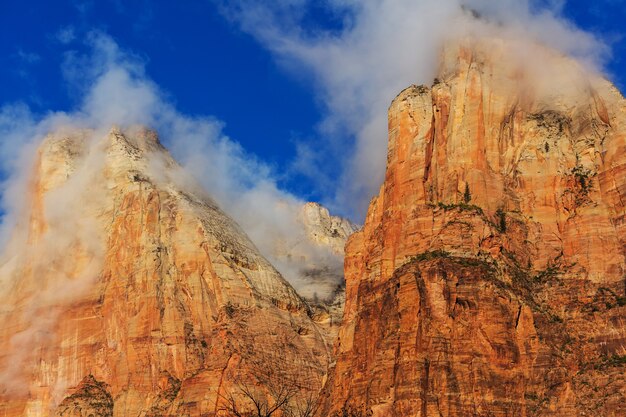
pixel 126 291
pixel 488 279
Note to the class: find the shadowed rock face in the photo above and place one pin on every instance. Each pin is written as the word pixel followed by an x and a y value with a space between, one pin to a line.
pixel 488 279
pixel 133 281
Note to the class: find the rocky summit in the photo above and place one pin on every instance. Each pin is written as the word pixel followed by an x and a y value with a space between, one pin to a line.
pixel 489 277
pixel 141 297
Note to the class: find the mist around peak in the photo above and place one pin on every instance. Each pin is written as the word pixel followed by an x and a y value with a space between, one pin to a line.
pixel 116 91
pixel 377 48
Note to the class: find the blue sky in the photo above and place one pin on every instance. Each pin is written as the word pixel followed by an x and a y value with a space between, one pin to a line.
pixel 209 63
pixel 192 52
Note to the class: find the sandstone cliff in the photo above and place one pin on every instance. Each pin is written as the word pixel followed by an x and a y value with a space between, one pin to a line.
pixel 134 295
pixel 488 279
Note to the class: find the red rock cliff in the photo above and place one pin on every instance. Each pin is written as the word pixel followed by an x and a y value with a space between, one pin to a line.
pixel 134 295
pixel 488 279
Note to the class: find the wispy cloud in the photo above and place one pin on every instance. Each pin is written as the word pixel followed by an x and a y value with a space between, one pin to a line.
pixel 115 90
pixel 83 6
pixel 28 57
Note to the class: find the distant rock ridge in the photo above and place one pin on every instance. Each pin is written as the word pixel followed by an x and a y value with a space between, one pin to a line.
pixel 131 283
pixel 317 258
pixel 314 257
pixel 326 229
pixel 489 277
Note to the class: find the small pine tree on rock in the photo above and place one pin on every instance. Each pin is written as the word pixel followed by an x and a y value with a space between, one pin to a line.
pixel 467 196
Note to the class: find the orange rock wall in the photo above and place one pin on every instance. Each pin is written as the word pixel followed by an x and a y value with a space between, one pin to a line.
pixel 489 276
pixel 180 306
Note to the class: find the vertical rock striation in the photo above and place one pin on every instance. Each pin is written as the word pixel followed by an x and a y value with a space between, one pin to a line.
pixel 489 277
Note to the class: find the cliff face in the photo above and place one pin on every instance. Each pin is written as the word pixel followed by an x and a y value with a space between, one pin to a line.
pixel 488 279
pixel 133 294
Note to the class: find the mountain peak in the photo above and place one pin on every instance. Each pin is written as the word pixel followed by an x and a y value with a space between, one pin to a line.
pixel 126 255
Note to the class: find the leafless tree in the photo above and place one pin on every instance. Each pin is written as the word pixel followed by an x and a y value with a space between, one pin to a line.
pixel 252 400
pixel 267 391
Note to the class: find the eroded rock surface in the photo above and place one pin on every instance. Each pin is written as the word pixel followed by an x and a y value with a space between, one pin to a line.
pixel 488 279
pixel 131 276
pixel 90 399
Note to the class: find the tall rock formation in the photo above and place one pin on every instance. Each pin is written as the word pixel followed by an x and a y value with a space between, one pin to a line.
pixel 127 292
pixel 489 278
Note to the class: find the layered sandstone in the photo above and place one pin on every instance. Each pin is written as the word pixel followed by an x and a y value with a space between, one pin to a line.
pixel 488 279
pixel 133 294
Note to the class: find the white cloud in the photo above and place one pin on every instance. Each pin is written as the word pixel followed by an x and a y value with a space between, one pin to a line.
pixel 381 47
pixel 28 57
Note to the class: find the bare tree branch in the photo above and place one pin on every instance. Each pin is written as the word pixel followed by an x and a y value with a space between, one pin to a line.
pixel 266 392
